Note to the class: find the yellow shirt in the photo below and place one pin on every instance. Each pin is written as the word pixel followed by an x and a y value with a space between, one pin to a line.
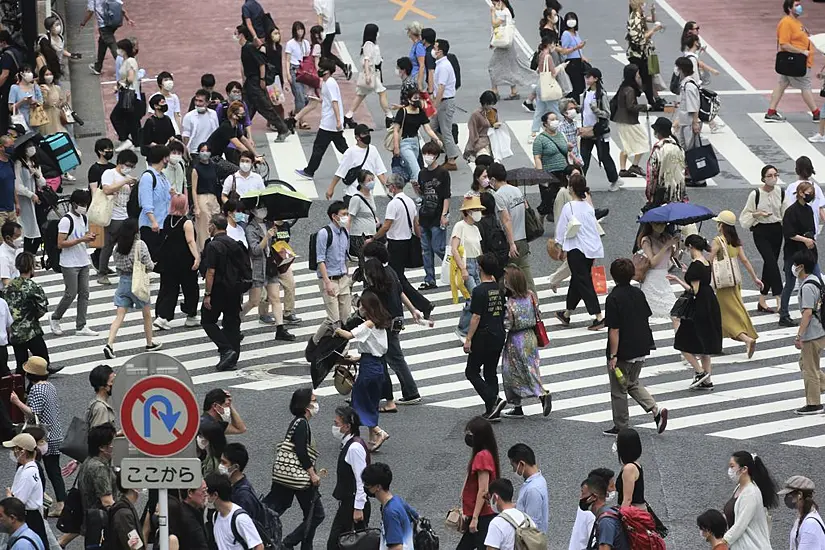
pixel 790 30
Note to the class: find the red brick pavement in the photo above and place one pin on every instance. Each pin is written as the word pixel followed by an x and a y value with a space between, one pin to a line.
pixel 189 39
pixel 744 33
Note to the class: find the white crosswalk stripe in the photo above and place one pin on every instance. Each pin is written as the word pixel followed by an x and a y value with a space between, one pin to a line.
pixel 748 401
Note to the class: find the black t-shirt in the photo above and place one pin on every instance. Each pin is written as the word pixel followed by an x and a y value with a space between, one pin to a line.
pixel 440 180
pixel 96 170
pixel 157 130
pixel 488 302
pixel 798 220
pixel 429 61
pixel 410 124
pixel 282 231
pixel 626 309
pixel 275 57
pixel 10 61
pixel 214 100
pixel 391 299
pixel 251 60
pixel 215 257
pixel 220 138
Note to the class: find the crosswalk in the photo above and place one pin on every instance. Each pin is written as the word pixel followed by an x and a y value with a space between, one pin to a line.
pixel 753 398
pixel 740 159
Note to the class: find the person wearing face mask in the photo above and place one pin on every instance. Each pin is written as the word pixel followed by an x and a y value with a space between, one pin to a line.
pixel 218 409
pixel 407 123
pixel 573 42
pixel 116 182
pixel 303 405
pixel 482 469
pixel 25 94
pixel 158 128
pixel 533 499
pixel 583 526
pixel 810 337
pixel 154 197
pixel 27 486
pixel 175 171
pixel 28 178
pixel 364 156
pixel 568 127
pixel 607 531
pixel 100 410
pixel 29 302
pixel 799 227
pixel 199 123
pixel 353 504
pixel 332 246
pixel 444 102
pixel 798 494
pixel 465 246
pixel 9 201
pixel 53 101
pixel 658 243
pixel 206 191
pixel 235 219
pixel 12 246
pixel 104 150
pixel 481 182
pixel 13 523
pixel 712 527
pixel 501 535
pixel 166 84
pixel 126 115
pixel 626 121
pixel 211 441
pixel 124 531
pixel 370 78
pixel 432 185
pixel 233 463
pixel 747 509
pixel 243 181
pixel 363 220
pixel 481 121
pixel 96 481
pixel 550 153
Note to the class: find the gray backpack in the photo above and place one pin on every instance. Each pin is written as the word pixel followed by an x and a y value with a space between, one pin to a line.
pixel 528 536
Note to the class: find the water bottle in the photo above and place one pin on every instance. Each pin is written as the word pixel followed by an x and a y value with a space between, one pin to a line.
pixel 619 375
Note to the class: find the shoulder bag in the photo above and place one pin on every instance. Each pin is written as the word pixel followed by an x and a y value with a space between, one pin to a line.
pixel 701 161
pixel 573 224
pixel 75 442
pixel 100 211
pixel 415 257
pixel 641 265
pixel 140 275
pixel 287 469
pixel 389 139
pixel 38 115
pixel 352 173
pixel 18 119
pixel 549 88
pixel 725 270
pixel 540 329
pixel 533 228
pixel 685 306
pixel 307 74
pixel 791 64
pixel 502 36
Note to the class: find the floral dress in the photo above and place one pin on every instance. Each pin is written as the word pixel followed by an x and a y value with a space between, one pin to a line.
pixel 520 357
pixel 27 303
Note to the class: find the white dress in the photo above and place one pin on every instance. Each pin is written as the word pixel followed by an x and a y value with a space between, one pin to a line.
pixel 371 53
pixel 506 66
pixel 660 296
pixel 26 188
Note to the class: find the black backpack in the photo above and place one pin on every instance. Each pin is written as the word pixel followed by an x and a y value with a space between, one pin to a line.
pixel 133 205
pixel 237 272
pixel 425 537
pixel 756 197
pixel 270 534
pixel 430 203
pixel 51 253
pixel 494 240
pixel 614 106
pixel 456 68
pixel 313 248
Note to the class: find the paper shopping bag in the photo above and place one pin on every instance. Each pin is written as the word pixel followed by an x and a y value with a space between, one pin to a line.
pixel 599 277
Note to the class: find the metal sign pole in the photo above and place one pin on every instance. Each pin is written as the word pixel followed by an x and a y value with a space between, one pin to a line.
pixel 163 535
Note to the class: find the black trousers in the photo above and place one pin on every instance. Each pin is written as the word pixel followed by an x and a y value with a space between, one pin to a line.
pixel 172 281
pixel 4 361
pixel 153 240
pixel 35 346
pixel 470 541
pixel 227 336
pixel 31 245
pixel 581 283
pixel 127 123
pixel 257 100
pixel 105 41
pixel 34 519
pixel 52 465
pixel 326 51
pixel 575 70
pixel 342 522
pixel 603 149
pixel 484 353
pixel 768 240
pixel 280 499
pixel 319 147
pixel 647 78
pixel 399 252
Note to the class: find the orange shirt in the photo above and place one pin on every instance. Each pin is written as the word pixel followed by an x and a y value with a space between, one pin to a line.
pixel 790 30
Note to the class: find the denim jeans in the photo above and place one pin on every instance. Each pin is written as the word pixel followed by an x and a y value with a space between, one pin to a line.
pixel 409 148
pixel 790 285
pixel 541 108
pixel 297 89
pixel 472 281
pixel 433 243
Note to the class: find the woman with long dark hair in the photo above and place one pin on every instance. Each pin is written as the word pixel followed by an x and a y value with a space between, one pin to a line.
pixel 626 119
pixel 506 67
pixel 296 49
pixel 595 109
pixel 573 42
pixel 211 441
pixel 640 48
pixel 28 179
pixel 370 77
pixel 312 95
pixel 124 257
pixel 727 247
pixel 658 246
pixel 747 509
pixel 130 107
pixel 798 494
pixel 482 469
pixel 481 183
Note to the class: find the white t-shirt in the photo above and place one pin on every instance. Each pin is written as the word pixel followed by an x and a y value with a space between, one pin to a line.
pixel 28 487
pixel 198 127
pixel 819 200
pixel 243 184
pixel 8 254
pixel 370 340
pixel 5 322
pixel 297 51
pixel 237 232
pixel 811 532
pixel 353 157
pixel 74 256
pixel 173 102
pixel 326 9
pixel 224 538
pixel 330 92
pixel 121 198
pixel 581 530
pixel 400 229
pixel 501 534
pixel 469 237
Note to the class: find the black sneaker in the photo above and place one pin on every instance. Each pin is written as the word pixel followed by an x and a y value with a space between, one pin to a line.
pixel 427 285
pixel 787 322
pixel 597 324
pixel 661 420
pixel 613 431
pixel 492 416
pixel 349 122
pixel 229 360
pixel 698 379
pixel 601 213
pixel 292 319
pixel 706 385
pixel 809 409
pixel 546 404
pixel 636 169
pixel 515 412
pixel 495 412
pixel 529 107
pixel 348 72
pixel 626 174
pixel 281 333
pixel 565 320
pixel 108 352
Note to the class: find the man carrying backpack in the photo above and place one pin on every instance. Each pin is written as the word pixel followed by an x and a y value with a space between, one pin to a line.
pixel 233 463
pixel 227 272
pixel 110 15
pixel 810 336
pixel 124 531
pixel 230 519
pixel 153 197
pixel 608 533
pixel 511 529
pixel 331 244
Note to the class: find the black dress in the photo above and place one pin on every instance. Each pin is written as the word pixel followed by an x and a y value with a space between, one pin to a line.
pixel 701 335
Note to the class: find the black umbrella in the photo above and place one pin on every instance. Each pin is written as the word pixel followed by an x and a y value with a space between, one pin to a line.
pixel 25 138
pixel 280 202
pixel 529 176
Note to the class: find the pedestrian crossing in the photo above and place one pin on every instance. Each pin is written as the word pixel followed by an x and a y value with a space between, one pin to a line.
pixel 752 398
pixel 740 159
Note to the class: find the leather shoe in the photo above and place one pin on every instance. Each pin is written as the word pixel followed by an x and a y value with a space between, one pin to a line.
pixel 450 165
pixel 229 361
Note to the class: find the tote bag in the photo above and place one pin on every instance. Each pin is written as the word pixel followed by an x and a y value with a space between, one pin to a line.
pixel 140 275
pixel 724 269
pixel 38 115
pixel 502 36
pixel 701 161
pixel 287 469
pixel 549 88
pixel 100 211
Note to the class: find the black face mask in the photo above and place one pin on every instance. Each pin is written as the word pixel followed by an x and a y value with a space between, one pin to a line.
pixel 163 108
pixel 809 198
pixel 790 501
pixel 108 155
pixel 416 104
pixel 366 139
pixel 468 440
pixel 584 505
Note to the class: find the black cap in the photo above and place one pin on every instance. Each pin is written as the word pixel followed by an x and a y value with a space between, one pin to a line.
pixel 594 72
pixel 663 126
pixel 362 129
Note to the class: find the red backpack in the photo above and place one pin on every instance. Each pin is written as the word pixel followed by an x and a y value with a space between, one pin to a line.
pixel 639 528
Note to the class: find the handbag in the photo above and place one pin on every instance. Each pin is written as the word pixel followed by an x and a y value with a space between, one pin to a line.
pixel 427 104
pixel 573 225
pixel 455 520
pixel 532 225
pixel 540 330
pixel 71 518
pixel 127 99
pixel 18 119
pixel 701 161
pixel 791 64
pixel 389 139
pixel 549 88
pixel 415 256
pixel 38 115
pixel 67 115
pixel 366 539
pixel 502 36
pixel 287 469
pixel 724 269
pixel 344 378
pixel 307 74
pixel 685 306
pixel 653 64
pixel 75 442
pixel 554 249
pixel 641 264
pixel 599 278
pixel 140 275
pixel 100 210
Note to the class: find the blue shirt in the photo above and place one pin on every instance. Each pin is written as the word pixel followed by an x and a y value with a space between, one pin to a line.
pixel 568 40
pixel 417 50
pixel 6 186
pixel 334 257
pixel 16 544
pixel 532 500
pixel 609 531
pixel 155 201
pixel 252 10
pixel 396 527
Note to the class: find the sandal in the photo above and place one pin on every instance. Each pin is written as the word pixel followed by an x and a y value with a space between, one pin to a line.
pixel 762 309
pixel 387 411
pixel 382 437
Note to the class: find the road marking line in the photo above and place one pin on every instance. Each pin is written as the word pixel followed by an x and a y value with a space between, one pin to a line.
pixel 611 41
pixel 346 58
pixel 409 6
pixel 770 428
pixel 287 157
pixel 737 154
pixel 617 48
pixel 790 140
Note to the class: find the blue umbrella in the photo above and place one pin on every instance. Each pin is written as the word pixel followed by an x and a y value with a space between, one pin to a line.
pixel 679 213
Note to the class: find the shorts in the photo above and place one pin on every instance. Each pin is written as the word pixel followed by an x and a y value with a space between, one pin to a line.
pixel 260 283
pixel 798 82
pixel 124 296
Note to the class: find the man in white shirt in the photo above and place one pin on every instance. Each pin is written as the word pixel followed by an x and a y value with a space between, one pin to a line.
pixel 12 234
pixel 331 127
pixel 501 534
pixel 27 485
pixel 166 84
pixel 116 182
pixel 400 221
pixel 219 492
pixel 444 101
pixel 364 157
pixel 72 236
pixel 244 180
pixel 199 123
pixel 583 526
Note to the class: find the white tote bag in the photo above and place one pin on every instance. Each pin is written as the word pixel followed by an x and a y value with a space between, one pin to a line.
pixel 140 275
pixel 725 270
pixel 549 88
pixel 100 211
pixel 503 36
pixel 500 142
pixel 573 224
pixel 444 278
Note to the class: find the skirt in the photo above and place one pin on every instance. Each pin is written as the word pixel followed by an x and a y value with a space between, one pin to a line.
pixel 660 296
pixel 633 138
pixel 506 67
pixel 366 392
pixel 735 318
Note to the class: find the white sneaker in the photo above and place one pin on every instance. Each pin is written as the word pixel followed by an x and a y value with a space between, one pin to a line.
pixel 85 331
pixel 57 330
pixel 125 145
pixel 192 321
pixel 162 324
pixel 817 138
pixel 615 186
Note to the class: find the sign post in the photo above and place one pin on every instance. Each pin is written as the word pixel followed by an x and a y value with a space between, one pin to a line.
pixel 160 419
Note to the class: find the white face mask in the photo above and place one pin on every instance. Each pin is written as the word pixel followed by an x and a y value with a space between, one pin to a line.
pixel 398 73
pixel 343 220
pixel 202 443
pixel 494 506
pixel 48 79
pixel 224 470
pixel 733 474
pixel 428 160
pixel 175 159
pixel 240 217
pixel 337 434
pixel 57 29
pixel 245 166
pixel 204 155
pixel 81 210
pixel 555 18
pixel 475 216
pixel 201 110
pixel 261 213
pixel 485 182
pixel 553 125
pixel 126 170
pixel 796 270
pixel 313 408
pixel 121 54
pixel 571 113
pixel 571 23
pixel 17 243
pixel 168 85
pixel 28 77
pixel 43 448
pixel 226 414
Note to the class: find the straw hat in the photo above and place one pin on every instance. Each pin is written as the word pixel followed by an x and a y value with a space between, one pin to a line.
pixel 471 203
pixel 726 217
pixel 37 366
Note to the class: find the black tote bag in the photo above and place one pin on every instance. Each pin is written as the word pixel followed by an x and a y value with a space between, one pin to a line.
pixel 701 161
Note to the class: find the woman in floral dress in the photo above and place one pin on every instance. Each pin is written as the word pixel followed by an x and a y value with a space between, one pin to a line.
pixel 520 357
pixel 27 303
